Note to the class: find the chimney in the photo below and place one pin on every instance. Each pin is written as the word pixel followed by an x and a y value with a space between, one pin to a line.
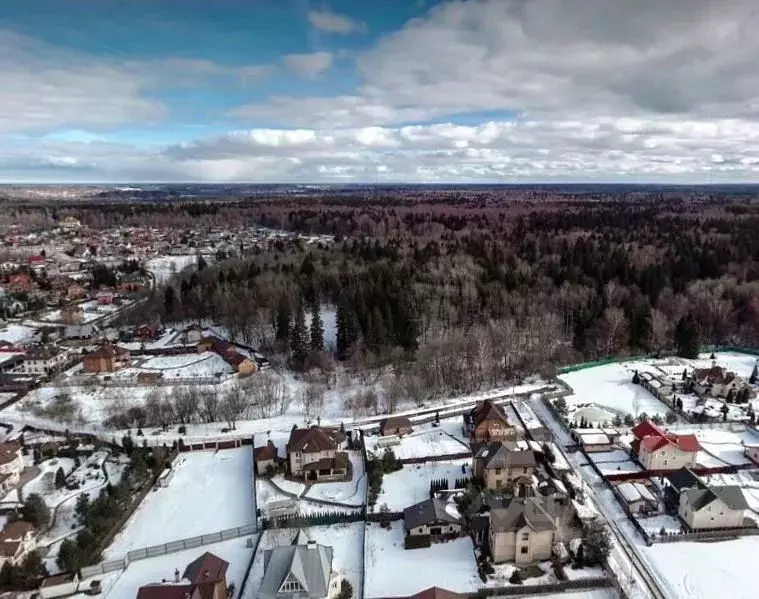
pixel 176 575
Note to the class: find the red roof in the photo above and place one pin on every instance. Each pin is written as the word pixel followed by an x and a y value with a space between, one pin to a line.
pixel 647 429
pixel 687 443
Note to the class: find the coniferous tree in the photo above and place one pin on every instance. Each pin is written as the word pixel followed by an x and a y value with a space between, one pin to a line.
pixel 282 320
pixel 687 337
pixel 754 375
pixel 317 327
pixel 347 327
pixel 299 337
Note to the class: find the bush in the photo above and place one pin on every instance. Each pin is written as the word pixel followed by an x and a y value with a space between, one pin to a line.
pixel 346 590
pixel 417 541
pixel 182 430
pixel 516 577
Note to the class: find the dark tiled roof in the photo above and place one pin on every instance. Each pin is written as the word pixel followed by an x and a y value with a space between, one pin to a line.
pixel 506 455
pixel 520 513
pixel 430 511
pixel 339 462
pixel 311 440
pixel 207 568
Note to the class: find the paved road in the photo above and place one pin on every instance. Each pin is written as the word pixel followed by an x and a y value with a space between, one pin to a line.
pixel 635 577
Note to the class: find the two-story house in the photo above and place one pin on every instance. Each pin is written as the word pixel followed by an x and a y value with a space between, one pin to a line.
pixel 432 518
pixel 17 539
pixel 487 423
pixel 44 360
pixel 504 465
pixel 659 450
pixel 203 578
pixel 702 506
pixel 312 454
pixel 299 571
pixel 522 532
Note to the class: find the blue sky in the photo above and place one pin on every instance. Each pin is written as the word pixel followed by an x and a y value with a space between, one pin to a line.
pixel 394 90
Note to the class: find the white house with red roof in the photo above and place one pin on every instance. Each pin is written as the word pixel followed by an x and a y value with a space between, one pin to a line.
pixel 657 449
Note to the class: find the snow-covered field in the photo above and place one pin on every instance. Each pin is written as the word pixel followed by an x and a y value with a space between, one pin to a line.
pixel 165 267
pixel 124 585
pixel 210 491
pixel 189 365
pixel 17 333
pixel 392 571
pixel 266 493
pixel 411 485
pixel 427 443
pixel 352 492
pixel 345 540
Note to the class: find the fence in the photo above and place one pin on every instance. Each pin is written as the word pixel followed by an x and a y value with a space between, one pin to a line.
pixel 166 548
pixel 704 535
pixel 541 589
pixel 318 519
pixel 437 458
pixel 122 383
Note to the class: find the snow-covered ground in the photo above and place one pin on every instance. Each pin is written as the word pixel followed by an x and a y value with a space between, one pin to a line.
pixel 210 491
pixel 411 485
pixel 207 364
pixel 426 443
pixel 393 571
pixel 345 540
pixel 266 493
pixel 329 322
pixel 165 267
pixel 124 585
pixel 17 333
pixel 352 492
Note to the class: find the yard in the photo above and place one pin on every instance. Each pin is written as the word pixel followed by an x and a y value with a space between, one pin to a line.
pixel 392 571
pixel 210 491
pixel 411 485
pixel 265 493
pixel 351 492
pixel 425 443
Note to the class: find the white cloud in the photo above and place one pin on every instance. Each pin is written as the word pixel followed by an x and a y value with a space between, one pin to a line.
pixel 331 22
pixel 308 66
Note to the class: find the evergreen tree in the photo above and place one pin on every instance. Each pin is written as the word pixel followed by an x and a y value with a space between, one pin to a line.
pixel 754 375
pixel 317 327
pixel 687 337
pixel 347 327
pixel 282 320
pixel 60 478
pixel 169 301
pixel 299 337
pixel 636 378
pixel 35 511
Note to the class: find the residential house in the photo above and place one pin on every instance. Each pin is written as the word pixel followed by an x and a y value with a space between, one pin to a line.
pixel 20 283
pixel 265 458
pixel 107 358
pixel 203 578
pixel 395 425
pixel 504 465
pixel 702 506
pixel 72 314
pixel 433 518
pixel 192 334
pixel 312 454
pixel 718 381
pixel 60 585
pixel 45 360
pixel 487 423
pixel 17 539
pixel 242 364
pixel 436 593
pixel 299 570
pixel 521 533
pixel 659 450
pixel 11 465
pixel 593 440
pixel 637 498
pixel 75 291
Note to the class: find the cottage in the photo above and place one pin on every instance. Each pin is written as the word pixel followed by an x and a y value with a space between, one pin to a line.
pixel 17 539
pixel 436 593
pixel 44 360
pixel 265 459
pixel 593 440
pixel 433 518
pixel 395 425
pixel 302 570
pixel 71 315
pixel 203 578
pixel 637 498
pixel 59 585
pixel 242 364
pixel 504 465
pixel 487 423
pixel 717 381
pixel 20 283
pixel 107 358
pixel 658 450
pixel 312 454
pixel 704 507
pixel 521 533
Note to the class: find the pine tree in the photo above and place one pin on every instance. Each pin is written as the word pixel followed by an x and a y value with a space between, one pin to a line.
pixel 169 301
pixel 754 375
pixel 687 337
pixel 299 337
pixel 317 327
pixel 347 327
pixel 60 478
pixel 282 320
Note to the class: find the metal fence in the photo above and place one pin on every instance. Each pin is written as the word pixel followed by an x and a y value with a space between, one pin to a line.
pixel 704 535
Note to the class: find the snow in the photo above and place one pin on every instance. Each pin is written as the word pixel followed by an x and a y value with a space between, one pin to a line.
pixel 654 524
pixel 164 267
pixel 618 467
pixel 124 585
pixel 210 491
pixel 17 333
pixel 392 571
pixel 207 364
pixel 352 492
pixel 328 315
pixel 427 443
pixel 289 486
pixel 411 485
pixel 266 493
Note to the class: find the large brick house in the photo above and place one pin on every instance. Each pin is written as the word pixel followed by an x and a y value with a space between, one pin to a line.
pixel 658 450
pixel 203 578
pixel 487 423
pixel 312 454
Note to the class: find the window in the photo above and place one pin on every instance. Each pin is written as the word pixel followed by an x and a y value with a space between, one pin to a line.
pixel 523 550
pixel 497 471
pixel 290 586
pixel 525 536
pixel 435 531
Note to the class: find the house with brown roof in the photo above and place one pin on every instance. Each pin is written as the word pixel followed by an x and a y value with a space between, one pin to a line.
pixel 265 458
pixel 521 532
pixel 504 465
pixel 487 422
pixel 17 539
pixel 59 585
pixel 107 358
pixel 242 364
pixel 72 314
pixel 203 578
pixel 395 425
pixel 312 454
pixel 435 593
pixel 718 381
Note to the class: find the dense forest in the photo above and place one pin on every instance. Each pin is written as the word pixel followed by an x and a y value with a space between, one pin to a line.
pixel 460 289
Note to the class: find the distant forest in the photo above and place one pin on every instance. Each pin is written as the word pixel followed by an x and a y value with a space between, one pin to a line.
pixel 457 289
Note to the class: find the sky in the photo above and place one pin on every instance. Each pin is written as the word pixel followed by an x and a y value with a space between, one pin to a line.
pixel 340 91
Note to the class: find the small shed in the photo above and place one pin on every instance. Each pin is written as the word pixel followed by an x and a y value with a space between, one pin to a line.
pixel 59 585
pixel 638 498
pixel 395 425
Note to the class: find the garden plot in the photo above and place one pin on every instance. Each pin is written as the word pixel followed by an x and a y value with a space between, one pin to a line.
pixel 392 571
pixel 350 492
pixel 124 585
pixel 614 462
pixel 207 364
pixel 210 491
pixel 428 443
pixel 411 485
pixel 610 387
pixel 266 493
pixel 722 447
pixel 655 524
pixel 345 539
pixel 536 574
